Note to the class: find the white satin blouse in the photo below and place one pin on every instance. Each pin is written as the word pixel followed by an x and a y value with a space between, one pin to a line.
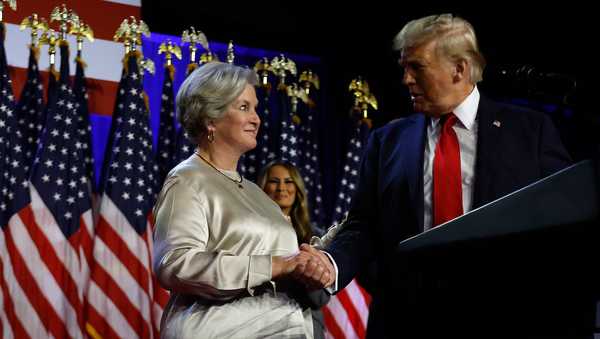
pixel 213 243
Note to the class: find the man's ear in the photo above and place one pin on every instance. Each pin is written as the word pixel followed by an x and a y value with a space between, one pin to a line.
pixel 461 70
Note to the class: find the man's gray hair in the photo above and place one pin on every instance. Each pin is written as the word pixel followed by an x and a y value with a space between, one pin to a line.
pixel 455 38
pixel 206 94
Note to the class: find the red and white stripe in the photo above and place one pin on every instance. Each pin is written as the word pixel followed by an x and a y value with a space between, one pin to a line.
pixel 41 274
pixel 103 56
pixel 123 297
pixel 347 313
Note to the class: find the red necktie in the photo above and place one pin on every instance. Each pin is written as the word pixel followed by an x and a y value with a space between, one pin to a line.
pixel 447 183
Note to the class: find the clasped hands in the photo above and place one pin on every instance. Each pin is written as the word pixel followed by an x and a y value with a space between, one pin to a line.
pixel 309 266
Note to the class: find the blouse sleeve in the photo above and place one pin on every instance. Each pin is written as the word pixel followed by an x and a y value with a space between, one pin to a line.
pixel 181 260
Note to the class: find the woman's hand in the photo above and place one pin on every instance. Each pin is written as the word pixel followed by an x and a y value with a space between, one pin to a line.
pixel 282 266
pixel 309 266
pixel 319 273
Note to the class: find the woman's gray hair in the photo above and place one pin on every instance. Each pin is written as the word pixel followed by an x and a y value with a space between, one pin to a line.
pixel 455 38
pixel 207 93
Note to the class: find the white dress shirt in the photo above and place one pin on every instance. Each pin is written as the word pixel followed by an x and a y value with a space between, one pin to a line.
pixel 466 131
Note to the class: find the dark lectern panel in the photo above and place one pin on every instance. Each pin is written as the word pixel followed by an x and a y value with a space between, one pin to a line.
pixel 523 266
pixel 566 197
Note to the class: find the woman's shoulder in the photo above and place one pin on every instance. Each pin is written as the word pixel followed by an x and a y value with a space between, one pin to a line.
pixel 189 172
pixel 252 186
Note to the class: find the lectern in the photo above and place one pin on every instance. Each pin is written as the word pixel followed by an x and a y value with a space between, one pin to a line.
pixel 524 266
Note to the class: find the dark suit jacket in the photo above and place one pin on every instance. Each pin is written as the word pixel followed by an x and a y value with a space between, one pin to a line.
pixel 515 147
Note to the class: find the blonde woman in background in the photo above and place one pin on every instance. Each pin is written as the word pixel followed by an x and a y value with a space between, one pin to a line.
pixel 283 183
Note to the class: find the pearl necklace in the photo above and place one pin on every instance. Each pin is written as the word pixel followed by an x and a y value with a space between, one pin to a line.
pixel 238 182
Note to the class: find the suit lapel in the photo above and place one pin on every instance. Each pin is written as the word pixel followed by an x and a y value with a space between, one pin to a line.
pixel 488 134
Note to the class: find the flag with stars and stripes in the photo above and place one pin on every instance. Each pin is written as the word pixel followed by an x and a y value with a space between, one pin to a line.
pixel 290 150
pixel 84 128
pixel 44 238
pixel 167 136
pixel 14 197
pixel 123 298
pixel 347 312
pixel 289 147
pixel 118 107
pixel 183 146
pixel 30 108
pixel 310 164
pixel 351 167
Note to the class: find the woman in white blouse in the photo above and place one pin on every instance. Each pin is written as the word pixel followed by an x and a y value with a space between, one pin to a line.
pixel 222 247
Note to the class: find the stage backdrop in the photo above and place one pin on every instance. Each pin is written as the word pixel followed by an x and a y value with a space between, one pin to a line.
pixel 317 142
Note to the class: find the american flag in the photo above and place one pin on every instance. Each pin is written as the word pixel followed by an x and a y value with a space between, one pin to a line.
pixel 351 168
pixel 167 136
pixel 290 142
pixel 51 91
pixel 30 108
pixel 84 131
pixel 310 164
pixel 43 265
pixel 123 297
pixel 347 312
pixel 183 146
pixel 118 108
pixel 84 128
pixel 102 57
pixel 14 197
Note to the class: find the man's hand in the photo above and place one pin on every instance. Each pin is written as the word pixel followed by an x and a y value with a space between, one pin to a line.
pixel 309 266
pixel 318 272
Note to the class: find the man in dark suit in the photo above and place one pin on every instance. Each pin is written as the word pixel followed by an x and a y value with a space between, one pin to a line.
pixel 462 150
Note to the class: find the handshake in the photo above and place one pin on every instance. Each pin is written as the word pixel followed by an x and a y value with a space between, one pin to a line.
pixel 309 266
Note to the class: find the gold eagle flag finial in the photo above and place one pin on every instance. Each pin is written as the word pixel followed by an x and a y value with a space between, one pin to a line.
pixel 281 66
pixel 193 37
pixel 130 32
pixel 64 16
pixel 309 79
pixel 36 24
pixel 169 49
pixel 81 31
pixel 262 68
pixel 295 92
pixel 208 56
pixel 50 37
pixel 363 98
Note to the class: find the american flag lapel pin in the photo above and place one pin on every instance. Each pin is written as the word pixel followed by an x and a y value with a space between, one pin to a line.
pixel 496 123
